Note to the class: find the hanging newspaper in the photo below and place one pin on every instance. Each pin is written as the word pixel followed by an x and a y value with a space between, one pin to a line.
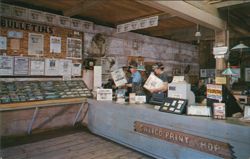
pixel 153 82
pixel 119 77
pixel 65 67
pixel 35 46
pixel 37 67
pixel 21 66
pixel 74 48
pixel 138 24
pixel 76 69
pixel 6 65
pixel 55 44
pixel 52 67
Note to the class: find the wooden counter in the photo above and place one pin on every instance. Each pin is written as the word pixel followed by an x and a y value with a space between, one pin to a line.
pixel 140 127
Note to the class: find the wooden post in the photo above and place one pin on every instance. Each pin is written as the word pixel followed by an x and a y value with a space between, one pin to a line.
pixel 221 39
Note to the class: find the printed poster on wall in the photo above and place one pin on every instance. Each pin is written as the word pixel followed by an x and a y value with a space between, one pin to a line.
pixel 52 67
pixel 76 69
pixel 65 67
pixel 55 44
pixel 3 43
pixel 35 45
pixel 21 66
pixel 6 65
pixel 37 67
pixel 119 77
pixel 74 48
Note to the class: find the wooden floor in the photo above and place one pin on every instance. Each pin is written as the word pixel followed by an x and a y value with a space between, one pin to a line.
pixel 81 145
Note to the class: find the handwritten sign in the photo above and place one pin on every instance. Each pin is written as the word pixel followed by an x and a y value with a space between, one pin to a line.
pixel 210 146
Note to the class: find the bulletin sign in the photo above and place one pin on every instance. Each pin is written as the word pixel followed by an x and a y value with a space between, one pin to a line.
pixel 37 40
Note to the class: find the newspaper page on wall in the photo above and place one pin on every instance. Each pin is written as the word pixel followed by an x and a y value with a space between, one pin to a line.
pixel 153 82
pixel 52 67
pixel 21 66
pixel 65 67
pixel 35 45
pixel 37 67
pixel 6 65
pixel 74 48
pixel 55 44
pixel 119 77
pixel 76 69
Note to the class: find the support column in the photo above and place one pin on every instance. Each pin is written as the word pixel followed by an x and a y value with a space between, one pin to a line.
pixel 221 39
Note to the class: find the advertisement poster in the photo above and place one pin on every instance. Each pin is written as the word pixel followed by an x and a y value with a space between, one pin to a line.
pixel 35 45
pixel 6 65
pixel 52 67
pixel 76 69
pixel 55 44
pixel 37 67
pixel 214 91
pixel 74 48
pixel 21 66
pixel 119 77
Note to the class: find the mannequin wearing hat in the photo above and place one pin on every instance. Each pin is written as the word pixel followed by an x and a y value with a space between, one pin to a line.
pixel 136 79
pixel 158 69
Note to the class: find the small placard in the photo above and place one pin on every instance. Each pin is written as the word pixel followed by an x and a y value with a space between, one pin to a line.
pixel 247 112
pixel 219 111
pixel 104 94
pixel 220 80
pixel 140 99
pixel 132 98
pixel 199 110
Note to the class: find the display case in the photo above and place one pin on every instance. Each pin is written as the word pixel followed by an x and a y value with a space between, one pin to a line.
pixel 25 91
pixel 174 105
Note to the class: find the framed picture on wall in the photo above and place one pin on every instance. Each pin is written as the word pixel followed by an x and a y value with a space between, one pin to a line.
pixel 247 74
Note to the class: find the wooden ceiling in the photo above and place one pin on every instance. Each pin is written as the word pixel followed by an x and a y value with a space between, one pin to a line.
pixel 171 26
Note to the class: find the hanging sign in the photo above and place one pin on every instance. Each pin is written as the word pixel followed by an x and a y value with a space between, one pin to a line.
pixel 138 24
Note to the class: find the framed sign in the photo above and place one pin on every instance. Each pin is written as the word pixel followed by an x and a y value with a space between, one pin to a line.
pixel 219 111
pixel 104 94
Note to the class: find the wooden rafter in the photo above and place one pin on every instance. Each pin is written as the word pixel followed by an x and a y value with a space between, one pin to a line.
pixel 187 12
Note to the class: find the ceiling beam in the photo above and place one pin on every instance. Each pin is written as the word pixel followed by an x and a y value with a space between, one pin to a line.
pixel 204 6
pixel 81 6
pixel 187 12
pixel 229 3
